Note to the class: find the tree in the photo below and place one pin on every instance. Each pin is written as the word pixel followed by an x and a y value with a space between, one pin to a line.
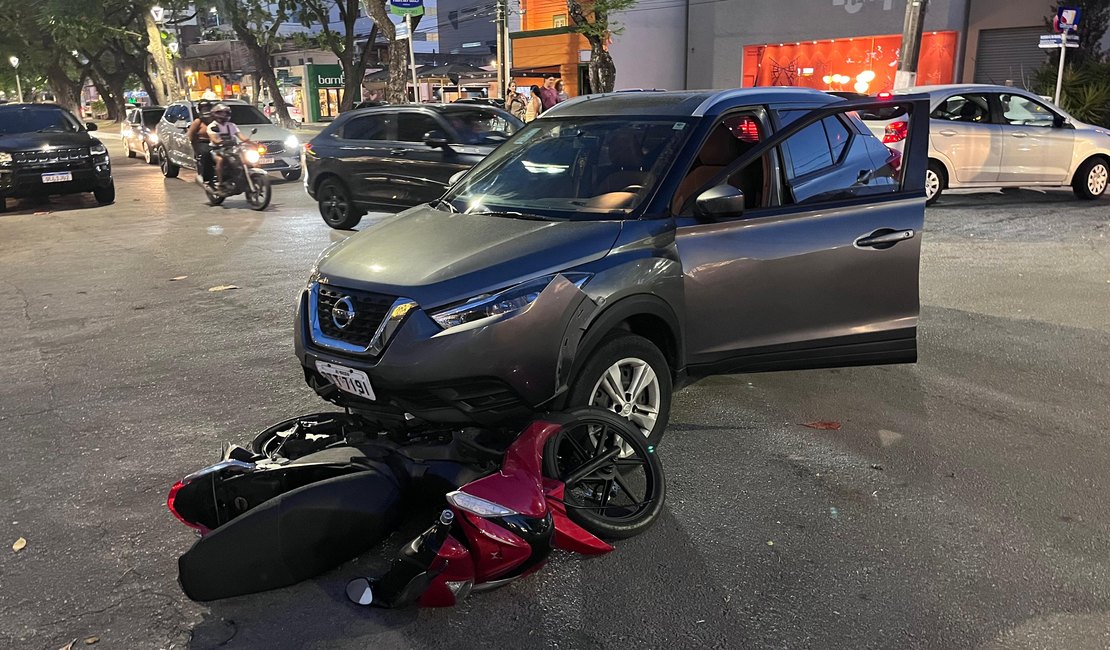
pixel 594 20
pixel 343 44
pixel 257 24
pixel 397 58
pixel 165 88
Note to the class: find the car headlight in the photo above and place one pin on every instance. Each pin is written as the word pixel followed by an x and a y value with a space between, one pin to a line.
pixel 153 137
pixel 5 158
pixel 98 150
pixel 253 156
pixel 503 302
pixel 292 142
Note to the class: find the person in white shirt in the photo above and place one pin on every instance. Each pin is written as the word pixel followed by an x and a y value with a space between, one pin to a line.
pixel 221 129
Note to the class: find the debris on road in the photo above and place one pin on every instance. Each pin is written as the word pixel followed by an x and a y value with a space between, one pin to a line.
pixel 178 278
pixel 223 287
pixel 877 466
pixel 823 425
pixel 92 640
pixel 19 544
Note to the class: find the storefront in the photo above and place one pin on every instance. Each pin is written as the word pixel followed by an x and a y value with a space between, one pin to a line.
pixel 323 91
pixel 864 64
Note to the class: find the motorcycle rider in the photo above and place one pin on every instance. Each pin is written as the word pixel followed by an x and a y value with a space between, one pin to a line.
pixel 202 147
pixel 220 129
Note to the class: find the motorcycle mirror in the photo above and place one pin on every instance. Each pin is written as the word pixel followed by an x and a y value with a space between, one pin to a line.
pixel 359 591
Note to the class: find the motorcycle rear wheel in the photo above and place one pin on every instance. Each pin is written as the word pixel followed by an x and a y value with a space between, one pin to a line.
pixel 213 197
pixel 259 198
pixel 614 480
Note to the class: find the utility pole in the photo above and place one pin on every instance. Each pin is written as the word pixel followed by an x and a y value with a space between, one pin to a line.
pixel 502 47
pixel 912 27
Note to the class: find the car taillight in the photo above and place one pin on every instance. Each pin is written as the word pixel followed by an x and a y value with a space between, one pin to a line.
pixel 885 95
pixel 747 130
pixel 894 159
pixel 896 132
pixel 201 530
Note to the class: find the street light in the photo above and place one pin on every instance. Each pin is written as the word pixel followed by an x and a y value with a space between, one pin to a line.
pixel 18 88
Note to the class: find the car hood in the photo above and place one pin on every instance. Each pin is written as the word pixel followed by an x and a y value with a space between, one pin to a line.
pixel 437 258
pixel 265 131
pixel 33 141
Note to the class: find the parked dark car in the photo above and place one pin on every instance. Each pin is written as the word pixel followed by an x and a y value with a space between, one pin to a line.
pixel 397 156
pixel 45 150
pixel 621 246
pixel 139 132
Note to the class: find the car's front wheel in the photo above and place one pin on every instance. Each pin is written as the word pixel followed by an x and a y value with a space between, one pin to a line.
pixel 628 375
pixel 1091 179
pixel 148 153
pixel 169 170
pixel 291 175
pixel 336 206
pixel 934 182
pixel 105 195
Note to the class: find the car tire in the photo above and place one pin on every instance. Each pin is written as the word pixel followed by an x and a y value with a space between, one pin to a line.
pixel 130 153
pixel 291 175
pixel 3 204
pixel 1090 179
pixel 336 206
pixel 624 354
pixel 105 195
pixel 148 155
pixel 936 179
pixel 169 170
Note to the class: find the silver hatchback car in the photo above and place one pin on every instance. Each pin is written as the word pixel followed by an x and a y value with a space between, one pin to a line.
pixel 983 136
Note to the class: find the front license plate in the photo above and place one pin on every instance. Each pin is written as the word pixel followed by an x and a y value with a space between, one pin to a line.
pixel 266 160
pixel 57 177
pixel 347 379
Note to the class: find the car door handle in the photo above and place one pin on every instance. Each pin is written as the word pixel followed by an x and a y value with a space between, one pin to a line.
pixel 885 237
pixel 1020 134
pixel 948 132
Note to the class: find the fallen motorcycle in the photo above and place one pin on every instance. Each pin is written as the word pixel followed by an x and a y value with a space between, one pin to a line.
pixel 241 174
pixel 317 490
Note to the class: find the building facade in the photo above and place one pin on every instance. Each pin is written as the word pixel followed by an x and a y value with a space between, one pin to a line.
pixel 854 44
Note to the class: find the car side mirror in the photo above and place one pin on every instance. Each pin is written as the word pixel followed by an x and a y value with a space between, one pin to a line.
pixel 436 139
pixel 1061 122
pixel 181 124
pixel 721 202
pixel 456 176
pixel 90 126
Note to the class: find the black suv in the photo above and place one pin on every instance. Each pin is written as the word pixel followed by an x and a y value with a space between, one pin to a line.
pixel 622 245
pixel 397 156
pixel 45 151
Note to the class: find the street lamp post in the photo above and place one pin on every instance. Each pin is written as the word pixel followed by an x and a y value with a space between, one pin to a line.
pixel 18 88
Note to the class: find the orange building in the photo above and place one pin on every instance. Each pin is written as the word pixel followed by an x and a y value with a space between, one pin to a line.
pixel 546 47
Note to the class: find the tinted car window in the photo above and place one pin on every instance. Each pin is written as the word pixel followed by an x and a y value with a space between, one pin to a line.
pixel 366 127
pixel 175 113
pixel 411 127
pixel 838 136
pixel 480 126
pixel 150 118
pixel 553 167
pixel 243 114
pixel 809 150
pixel 963 108
pixel 30 119
pixel 1022 111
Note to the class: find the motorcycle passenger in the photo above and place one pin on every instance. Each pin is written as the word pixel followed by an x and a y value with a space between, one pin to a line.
pixel 202 147
pixel 222 130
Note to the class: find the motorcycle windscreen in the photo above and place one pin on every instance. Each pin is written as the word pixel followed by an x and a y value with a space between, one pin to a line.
pixel 292 537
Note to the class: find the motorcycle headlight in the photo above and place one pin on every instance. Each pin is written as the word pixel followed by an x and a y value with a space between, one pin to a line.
pixel 292 142
pixel 98 150
pixel 5 158
pixel 478 506
pixel 503 302
pixel 253 156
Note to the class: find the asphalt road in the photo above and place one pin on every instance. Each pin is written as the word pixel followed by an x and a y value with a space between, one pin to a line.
pixel 963 503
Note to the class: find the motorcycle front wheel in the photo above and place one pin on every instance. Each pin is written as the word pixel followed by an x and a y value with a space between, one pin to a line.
pixel 213 197
pixel 259 197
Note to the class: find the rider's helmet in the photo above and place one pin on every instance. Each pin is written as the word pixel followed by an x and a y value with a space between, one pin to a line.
pixel 221 112
pixel 204 108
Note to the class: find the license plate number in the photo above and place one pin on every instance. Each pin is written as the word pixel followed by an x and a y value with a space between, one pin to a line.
pixel 266 160
pixel 347 379
pixel 57 177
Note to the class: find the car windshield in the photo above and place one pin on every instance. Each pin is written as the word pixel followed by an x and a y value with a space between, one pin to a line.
pixel 478 126
pixel 244 114
pixel 151 117
pixel 572 168
pixel 32 119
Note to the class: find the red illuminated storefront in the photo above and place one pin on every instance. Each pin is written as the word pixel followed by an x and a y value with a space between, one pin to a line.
pixel 862 64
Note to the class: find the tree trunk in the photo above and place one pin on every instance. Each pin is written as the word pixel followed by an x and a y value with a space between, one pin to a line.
pixel 166 83
pixel 66 91
pixel 398 55
pixel 265 72
pixel 603 72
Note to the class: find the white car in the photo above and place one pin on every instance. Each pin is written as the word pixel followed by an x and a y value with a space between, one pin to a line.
pixel 997 136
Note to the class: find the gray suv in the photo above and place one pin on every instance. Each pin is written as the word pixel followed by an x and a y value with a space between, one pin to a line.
pixel 622 246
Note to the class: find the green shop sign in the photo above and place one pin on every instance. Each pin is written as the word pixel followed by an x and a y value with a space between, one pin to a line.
pixel 325 90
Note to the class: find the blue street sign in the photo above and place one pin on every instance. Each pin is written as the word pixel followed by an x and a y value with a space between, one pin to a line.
pixel 1053 41
pixel 406 7
pixel 1067 19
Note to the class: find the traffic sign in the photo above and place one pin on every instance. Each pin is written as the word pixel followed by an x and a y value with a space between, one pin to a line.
pixel 406 7
pixel 1067 19
pixel 1054 41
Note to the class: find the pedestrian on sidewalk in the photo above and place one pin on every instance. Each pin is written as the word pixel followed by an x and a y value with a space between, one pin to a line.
pixel 548 95
pixel 560 92
pixel 535 105
pixel 515 103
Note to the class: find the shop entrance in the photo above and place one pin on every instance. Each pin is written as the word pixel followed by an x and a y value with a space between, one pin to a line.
pixel 330 99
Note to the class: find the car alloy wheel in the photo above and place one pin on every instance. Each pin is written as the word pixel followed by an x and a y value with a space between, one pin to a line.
pixel 1097 178
pixel 630 388
pixel 147 154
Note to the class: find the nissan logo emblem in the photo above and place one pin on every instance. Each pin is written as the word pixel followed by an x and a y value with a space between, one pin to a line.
pixel 343 312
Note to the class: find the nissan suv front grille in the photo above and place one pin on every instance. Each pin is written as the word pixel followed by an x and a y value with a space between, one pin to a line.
pixel 346 319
